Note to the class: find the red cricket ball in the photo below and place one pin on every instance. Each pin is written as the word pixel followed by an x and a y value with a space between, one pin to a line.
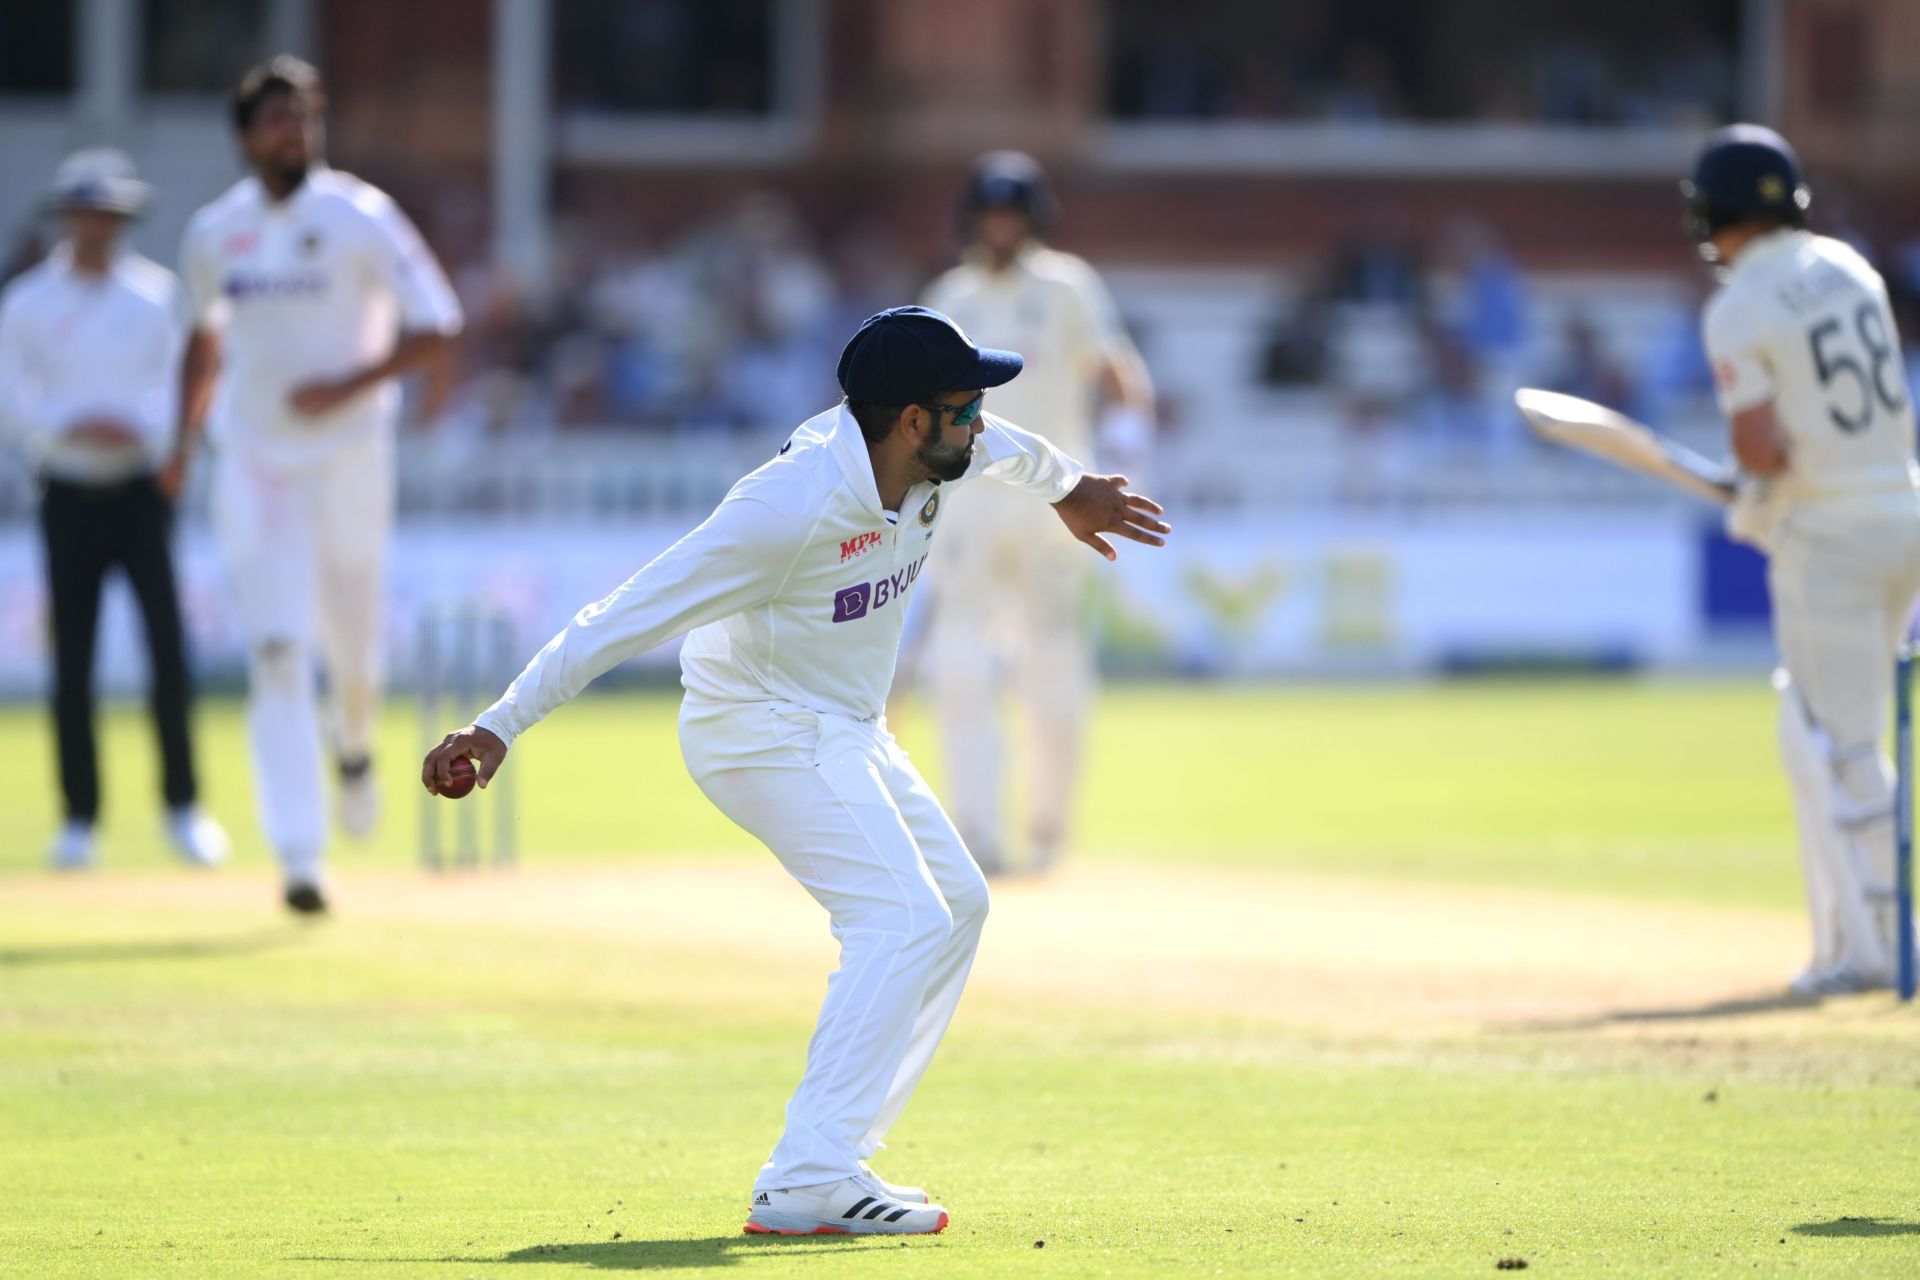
pixel 463 775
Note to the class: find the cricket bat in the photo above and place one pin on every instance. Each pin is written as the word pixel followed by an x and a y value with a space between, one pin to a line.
pixel 1595 429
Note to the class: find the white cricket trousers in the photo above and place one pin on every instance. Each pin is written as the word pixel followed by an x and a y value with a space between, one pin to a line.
pixel 1843 575
pixel 848 816
pixel 305 550
pixel 1010 609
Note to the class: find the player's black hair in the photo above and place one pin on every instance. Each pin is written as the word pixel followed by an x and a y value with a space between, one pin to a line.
pixel 876 420
pixel 282 73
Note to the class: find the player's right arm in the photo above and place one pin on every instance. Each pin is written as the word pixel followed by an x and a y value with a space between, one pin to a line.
pixel 207 311
pixel 1758 442
pixel 1744 383
pixel 199 368
pixel 740 557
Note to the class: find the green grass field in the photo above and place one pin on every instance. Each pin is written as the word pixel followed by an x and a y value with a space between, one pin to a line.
pixel 1624 788
pixel 1397 981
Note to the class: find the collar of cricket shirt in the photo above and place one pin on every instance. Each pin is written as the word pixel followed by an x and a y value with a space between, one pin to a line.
pixel 1766 246
pixel 1018 267
pixel 60 257
pixel 295 198
pixel 850 450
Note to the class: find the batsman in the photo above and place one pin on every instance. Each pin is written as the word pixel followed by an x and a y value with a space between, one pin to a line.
pixel 1808 371
pixel 1012 606
pixel 792 595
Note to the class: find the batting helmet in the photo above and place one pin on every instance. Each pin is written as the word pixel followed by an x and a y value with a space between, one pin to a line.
pixel 1009 180
pixel 1745 171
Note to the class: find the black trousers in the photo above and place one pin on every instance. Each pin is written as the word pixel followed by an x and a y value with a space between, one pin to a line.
pixel 90 529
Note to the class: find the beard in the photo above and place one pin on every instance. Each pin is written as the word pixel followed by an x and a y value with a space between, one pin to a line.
pixel 292 170
pixel 945 461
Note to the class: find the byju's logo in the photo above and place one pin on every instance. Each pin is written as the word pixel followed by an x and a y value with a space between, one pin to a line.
pixel 857 602
pixel 241 286
pixel 852 603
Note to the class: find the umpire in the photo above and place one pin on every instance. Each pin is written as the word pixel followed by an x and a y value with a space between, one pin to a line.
pixel 89 357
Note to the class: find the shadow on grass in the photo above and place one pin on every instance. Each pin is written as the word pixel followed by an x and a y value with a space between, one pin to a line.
pixel 652 1255
pixel 1858 1228
pixel 152 948
pixel 707 1251
pixel 1739 1007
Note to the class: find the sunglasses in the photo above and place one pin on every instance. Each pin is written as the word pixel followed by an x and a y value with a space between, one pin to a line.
pixel 963 414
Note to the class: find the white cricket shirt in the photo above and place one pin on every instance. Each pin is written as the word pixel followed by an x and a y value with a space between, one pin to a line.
pixel 1052 308
pixel 312 287
pixel 794 589
pixel 76 346
pixel 1803 321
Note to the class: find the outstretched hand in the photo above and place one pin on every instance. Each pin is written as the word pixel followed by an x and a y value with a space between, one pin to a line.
pixel 471 743
pixel 1101 505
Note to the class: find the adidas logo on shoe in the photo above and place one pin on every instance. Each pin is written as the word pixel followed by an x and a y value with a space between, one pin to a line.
pixel 852 1206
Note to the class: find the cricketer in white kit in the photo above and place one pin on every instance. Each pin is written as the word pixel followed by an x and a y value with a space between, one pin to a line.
pixel 1809 374
pixel 1011 600
pixel 310 292
pixel 792 595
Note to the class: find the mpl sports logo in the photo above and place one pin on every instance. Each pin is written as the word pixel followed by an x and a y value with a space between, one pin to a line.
pixel 871 597
pixel 855 547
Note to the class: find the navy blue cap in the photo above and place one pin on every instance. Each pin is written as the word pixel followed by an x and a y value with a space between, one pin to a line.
pixel 1744 171
pixel 904 354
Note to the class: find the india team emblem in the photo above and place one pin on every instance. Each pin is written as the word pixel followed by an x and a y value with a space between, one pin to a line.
pixel 932 509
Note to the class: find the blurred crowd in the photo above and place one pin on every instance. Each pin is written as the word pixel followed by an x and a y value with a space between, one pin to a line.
pixel 1415 339
pixel 1424 342
pixel 1629 64
pixel 1427 343
pixel 722 326
pixel 734 323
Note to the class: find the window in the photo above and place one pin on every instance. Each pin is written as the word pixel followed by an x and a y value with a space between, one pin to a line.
pixel 1559 63
pixel 665 57
pixel 37 47
pixel 199 46
pixel 701 82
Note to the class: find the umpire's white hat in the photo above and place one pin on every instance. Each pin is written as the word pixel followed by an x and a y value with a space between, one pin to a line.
pixel 99 178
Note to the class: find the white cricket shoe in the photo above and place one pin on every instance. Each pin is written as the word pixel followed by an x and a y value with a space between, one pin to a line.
pixel 1841 979
pixel 857 1206
pixel 197 837
pixel 359 798
pixel 909 1195
pixel 73 848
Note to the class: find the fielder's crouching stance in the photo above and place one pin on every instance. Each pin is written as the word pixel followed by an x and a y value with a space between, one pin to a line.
pixel 1808 370
pixel 793 592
